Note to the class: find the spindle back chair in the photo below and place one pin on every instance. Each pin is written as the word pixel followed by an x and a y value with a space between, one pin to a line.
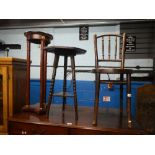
pixel 110 48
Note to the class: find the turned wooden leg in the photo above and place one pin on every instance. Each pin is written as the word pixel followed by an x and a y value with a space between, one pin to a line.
pixel 97 92
pixel 64 83
pixel 129 98
pixel 42 90
pixel 55 65
pixel 121 94
pixel 28 74
pixel 121 100
pixel 74 87
pixel 45 75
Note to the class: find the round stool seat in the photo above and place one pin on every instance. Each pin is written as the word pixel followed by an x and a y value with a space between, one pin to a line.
pixel 36 37
pixel 65 50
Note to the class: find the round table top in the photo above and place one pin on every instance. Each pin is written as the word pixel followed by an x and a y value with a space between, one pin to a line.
pixel 65 50
pixel 37 36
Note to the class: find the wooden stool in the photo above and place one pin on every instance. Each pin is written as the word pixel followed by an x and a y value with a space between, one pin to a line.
pixel 65 52
pixel 42 39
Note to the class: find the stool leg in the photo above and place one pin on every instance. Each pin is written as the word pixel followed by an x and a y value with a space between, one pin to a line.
pixel 28 74
pixel 64 83
pixel 97 92
pixel 55 65
pixel 74 87
pixel 129 99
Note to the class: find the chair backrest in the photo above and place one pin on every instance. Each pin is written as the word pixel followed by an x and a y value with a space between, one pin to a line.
pixel 109 48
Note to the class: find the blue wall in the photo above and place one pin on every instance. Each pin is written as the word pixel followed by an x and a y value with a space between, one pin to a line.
pixel 85 92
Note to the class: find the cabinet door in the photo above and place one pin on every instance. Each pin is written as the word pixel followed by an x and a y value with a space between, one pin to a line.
pixel 3 98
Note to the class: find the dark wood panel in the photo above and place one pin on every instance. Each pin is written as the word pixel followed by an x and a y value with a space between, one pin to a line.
pixel 139 30
pixel 146 107
pixel 144 46
pixel 144 32
pixel 138 56
pixel 145 41
pixel 142 50
pixel 22 128
pixel 141 40
pixel 141 35
pixel 109 122
pixel 133 25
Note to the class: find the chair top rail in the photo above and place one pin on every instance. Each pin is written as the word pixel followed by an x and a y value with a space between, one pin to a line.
pixel 107 35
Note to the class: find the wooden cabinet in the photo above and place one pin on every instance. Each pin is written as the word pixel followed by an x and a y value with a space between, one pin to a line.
pixel 12 88
pixel 3 98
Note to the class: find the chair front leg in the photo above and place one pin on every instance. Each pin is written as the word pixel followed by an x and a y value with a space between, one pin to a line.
pixel 121 93
pixel 121 100
pixel 129 99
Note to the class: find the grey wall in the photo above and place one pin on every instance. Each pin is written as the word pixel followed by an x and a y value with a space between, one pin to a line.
pixel 66 37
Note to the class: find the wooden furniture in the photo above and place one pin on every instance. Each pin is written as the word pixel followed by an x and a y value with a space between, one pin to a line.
pixel 65 52
pixel 3 99
pixel 43 39
pixel 110 50
pixel 12 88
pixel 109 122
pixel 145 107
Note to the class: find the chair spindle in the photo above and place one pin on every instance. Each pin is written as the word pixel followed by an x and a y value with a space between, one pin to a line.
pixel 103 47
pixel 115 47
pixel 109 47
